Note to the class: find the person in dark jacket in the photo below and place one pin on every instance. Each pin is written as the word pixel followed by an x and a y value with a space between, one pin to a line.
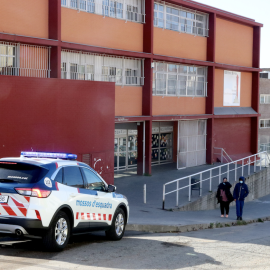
pixel 224 197
pixel 239 194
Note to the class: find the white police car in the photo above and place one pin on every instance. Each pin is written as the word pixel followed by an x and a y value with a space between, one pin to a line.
pixel 52 196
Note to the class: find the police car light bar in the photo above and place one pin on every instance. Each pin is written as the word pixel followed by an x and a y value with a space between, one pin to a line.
pixel 49 155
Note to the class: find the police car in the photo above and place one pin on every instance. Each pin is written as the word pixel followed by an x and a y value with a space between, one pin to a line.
pixel 53 196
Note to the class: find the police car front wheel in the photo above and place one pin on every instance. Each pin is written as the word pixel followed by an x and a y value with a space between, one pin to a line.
pixel 117 229
pixel 56 238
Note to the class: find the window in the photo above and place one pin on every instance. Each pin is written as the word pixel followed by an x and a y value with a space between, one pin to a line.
pixel 89 72
pixel 7 59
pixel 93 181
pixel 132 13
pixel 63 70
pixel 21 173
pixel 265 99
pixel 132 10
pixel 18 59
pixel 59 176
pixel 265 123
pixel 73 3
pixel 180 19
pixel 112 9
pixel 87 66
pixel 132 77
pixel 179 80
pixel 73 71
pixel 112 74
pixel 73 177
pixel 91 6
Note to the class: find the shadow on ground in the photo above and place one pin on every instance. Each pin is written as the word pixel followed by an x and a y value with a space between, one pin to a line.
pixel 134 251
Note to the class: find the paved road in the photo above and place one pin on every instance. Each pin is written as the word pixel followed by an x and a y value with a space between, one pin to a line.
pixel 241 247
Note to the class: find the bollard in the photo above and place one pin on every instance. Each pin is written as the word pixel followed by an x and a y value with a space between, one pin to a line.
pixel 144 193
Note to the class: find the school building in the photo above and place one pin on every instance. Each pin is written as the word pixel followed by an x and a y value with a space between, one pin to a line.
pixel 128 83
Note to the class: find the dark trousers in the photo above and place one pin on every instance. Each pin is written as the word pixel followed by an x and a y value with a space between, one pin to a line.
pixel 239 208
pixel 226 206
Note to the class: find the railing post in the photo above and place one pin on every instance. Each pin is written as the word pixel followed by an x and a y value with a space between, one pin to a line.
pixel 242 166
pixel 228 171
pixel 177 194
pixel 255 163
pixel 235 173
pixel 221 155
pixel 200 184
pixel 163 204
pixel 189 189
pixel 248 165
pixel 210 187
pixel 219 176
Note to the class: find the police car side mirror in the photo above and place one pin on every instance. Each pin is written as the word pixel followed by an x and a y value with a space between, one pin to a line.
pixel 111 188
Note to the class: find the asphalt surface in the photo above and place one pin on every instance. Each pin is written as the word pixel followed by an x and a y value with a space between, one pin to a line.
pixel 238 247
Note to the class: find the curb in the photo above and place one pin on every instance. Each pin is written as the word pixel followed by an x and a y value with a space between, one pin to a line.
pixel 188 228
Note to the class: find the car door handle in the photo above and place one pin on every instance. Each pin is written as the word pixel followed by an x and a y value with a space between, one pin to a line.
pixel 73 195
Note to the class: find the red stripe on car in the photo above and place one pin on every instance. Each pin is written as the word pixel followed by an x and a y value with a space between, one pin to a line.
pixel 8 209
pixel 38 214
pixel 20 207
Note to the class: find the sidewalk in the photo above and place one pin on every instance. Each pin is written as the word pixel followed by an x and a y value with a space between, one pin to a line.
pixel 165 221
pixel 151 217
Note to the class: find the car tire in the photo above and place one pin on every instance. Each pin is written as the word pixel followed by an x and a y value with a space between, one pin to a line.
pixel 117 230
pixel 57 237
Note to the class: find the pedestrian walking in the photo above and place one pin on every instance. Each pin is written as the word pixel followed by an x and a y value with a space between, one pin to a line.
pixel 224 197
pixel 239 194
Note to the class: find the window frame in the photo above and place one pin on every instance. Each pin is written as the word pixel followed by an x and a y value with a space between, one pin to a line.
pixel 264 123
pixel 164 16
pixel 63 176
pixel 97 175
pixel 190 74
pixel 264 96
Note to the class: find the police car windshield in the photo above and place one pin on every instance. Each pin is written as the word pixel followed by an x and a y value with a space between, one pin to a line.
pixel 21 173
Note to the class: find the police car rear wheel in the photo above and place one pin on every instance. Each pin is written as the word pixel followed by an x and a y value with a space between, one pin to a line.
pixel 56 238
pixel 117 229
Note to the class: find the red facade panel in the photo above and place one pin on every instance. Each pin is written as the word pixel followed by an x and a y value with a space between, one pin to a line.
pixel 57 115
pixel 234 136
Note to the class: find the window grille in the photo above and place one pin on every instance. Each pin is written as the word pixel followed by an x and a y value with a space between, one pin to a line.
pixel 24 60
pixel 265 99
pixel 129 10
pixel 179 80
pixel 180 19
pixel 264 123
pixel 87 66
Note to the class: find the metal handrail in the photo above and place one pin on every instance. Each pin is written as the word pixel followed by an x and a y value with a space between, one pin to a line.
pixel 241 161
pixel 228 159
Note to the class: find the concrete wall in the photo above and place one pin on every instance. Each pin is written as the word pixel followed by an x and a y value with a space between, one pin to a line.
pixel 258 184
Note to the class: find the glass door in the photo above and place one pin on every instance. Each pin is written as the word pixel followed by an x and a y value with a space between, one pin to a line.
pixel 125 149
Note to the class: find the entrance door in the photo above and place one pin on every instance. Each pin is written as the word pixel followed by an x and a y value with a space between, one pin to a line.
pixel 125 149
pixel 191 143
